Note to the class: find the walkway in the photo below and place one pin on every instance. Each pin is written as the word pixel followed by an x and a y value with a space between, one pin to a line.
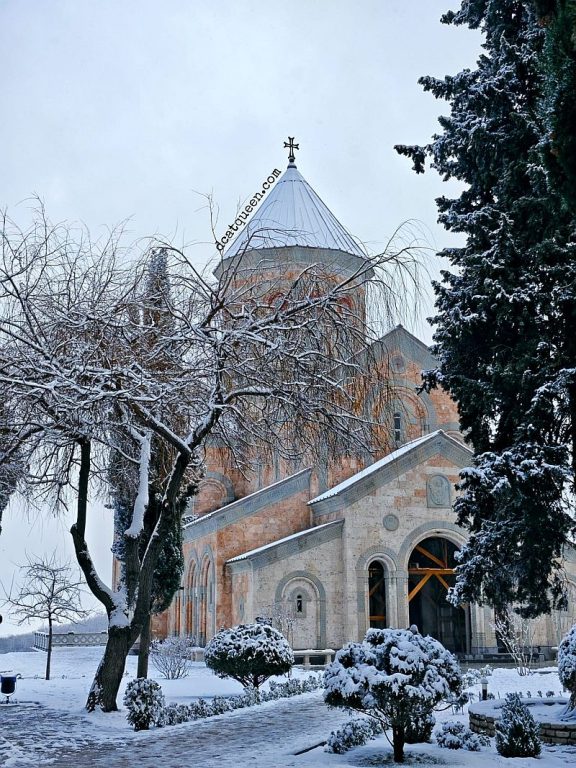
pixel 259 737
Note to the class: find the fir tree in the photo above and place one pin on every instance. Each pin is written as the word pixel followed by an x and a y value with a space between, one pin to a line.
pixel 505 324
pixel 516 731
pixel 558 17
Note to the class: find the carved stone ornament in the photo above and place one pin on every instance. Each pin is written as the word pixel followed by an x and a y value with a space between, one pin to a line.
pixel 391 522
pixel 438 492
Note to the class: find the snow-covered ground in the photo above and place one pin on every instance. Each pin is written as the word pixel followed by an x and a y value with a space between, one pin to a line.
pixel 48 725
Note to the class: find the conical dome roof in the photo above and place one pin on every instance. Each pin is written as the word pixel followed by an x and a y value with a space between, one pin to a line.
pixel 292 214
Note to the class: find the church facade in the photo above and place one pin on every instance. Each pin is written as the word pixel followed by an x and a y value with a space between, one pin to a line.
pixel 328 551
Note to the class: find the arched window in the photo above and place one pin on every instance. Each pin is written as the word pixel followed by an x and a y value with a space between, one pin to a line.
pixel 377 595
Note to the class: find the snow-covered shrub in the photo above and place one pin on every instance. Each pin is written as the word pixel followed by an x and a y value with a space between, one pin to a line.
pixel 174 714
pixel 354 733
pixel 292 687
pixel 221 704
pixel 171 657
pixel 455 735
pixel 393 675
pixel 249 653
pixel 567 667
pixel 145 702
pixel 419 729
pixel 516 730
pixel 200 709
pixel 474 676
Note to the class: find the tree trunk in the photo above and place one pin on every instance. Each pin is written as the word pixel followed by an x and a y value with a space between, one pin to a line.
pixel 398 740
pixel 144 651
pixel 49 653
pixel 109 674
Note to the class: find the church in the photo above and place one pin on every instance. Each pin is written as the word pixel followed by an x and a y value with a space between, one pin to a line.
pixel 328 551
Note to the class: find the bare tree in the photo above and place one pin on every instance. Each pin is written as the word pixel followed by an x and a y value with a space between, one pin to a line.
pixel 517 635
pixel 282 616
pixel 49 591
pixel 11 466
pixel 251 358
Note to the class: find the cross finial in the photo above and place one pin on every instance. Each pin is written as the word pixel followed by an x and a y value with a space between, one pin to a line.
pixel 291 147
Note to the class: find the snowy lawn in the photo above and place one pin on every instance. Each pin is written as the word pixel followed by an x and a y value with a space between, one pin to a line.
pixel 70 727
pixel 72 673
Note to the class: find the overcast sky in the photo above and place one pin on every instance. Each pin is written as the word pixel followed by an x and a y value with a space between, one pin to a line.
pixel 130 109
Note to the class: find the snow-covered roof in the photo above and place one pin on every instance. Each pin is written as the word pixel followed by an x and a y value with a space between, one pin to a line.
pixel 279 542
pixel 293 214
pixel 378 465
pixel 267 490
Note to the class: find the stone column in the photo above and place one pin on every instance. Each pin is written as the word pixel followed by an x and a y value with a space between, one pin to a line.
pixel 362 607
pixel 403 616
pixel 392 599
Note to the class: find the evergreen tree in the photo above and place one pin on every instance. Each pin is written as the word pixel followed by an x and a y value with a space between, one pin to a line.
pixel 506 316
pixel 558 17
pixel 396 676
pixel 516 731
pixel 249 653
pixel 124 474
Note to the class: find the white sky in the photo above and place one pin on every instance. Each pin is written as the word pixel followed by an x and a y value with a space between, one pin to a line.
pixel 128 110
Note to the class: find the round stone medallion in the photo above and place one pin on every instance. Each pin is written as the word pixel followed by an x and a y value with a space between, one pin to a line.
pixel 391 522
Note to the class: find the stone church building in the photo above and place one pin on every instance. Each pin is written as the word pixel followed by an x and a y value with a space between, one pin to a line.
pixel 329 551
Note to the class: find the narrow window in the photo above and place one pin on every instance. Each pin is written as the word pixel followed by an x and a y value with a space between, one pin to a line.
pixel 397 427
pixel 377 595
pixel 299 604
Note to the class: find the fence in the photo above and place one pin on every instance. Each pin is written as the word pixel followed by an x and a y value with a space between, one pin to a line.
pixel 61 639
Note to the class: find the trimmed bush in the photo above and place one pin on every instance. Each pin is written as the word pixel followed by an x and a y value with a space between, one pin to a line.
pixel 174 714
pixel 354 733
pixel 395 676
pixel 455 735
pixel 249 653
pixel 516 730
pixel 145 703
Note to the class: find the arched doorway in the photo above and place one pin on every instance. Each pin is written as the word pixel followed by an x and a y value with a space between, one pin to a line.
pixel 430 576
pixel 377 595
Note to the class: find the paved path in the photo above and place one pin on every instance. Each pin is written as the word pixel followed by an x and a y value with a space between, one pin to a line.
pixel 259 737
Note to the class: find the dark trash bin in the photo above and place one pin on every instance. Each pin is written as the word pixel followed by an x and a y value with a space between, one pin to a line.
pixel 8 685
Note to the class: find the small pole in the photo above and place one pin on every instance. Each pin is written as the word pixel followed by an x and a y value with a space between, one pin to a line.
pixel 484 684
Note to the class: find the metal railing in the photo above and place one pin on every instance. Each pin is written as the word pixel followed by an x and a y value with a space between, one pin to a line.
pixel 62 639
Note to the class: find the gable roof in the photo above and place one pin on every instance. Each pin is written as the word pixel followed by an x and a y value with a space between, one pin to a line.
pixel 247 505
pixel 290 545
pixel 390 467
pixel 292 214
pixel 409 345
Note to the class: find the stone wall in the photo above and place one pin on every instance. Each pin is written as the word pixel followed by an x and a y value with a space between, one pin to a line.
pixel 210 541
pixel 483 719
pixel 315 574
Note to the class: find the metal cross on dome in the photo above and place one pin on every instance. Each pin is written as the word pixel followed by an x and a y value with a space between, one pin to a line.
pixel 291 147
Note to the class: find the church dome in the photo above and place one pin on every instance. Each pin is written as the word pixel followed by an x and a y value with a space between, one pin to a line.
pixel 292 214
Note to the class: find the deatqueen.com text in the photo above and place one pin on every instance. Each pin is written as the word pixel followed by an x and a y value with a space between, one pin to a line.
pixel 246 211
